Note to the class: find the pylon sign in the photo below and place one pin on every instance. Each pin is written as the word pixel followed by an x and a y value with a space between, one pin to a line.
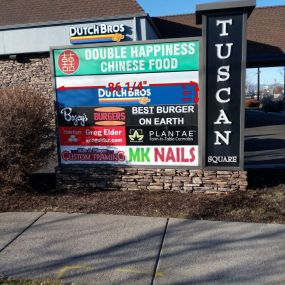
pixel 224 58
pixel 150 104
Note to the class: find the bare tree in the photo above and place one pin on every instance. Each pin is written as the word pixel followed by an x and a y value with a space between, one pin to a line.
pixel 282 72
pixel 249 89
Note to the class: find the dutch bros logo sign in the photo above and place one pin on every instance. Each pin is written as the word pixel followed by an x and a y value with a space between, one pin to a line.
pixel 96 33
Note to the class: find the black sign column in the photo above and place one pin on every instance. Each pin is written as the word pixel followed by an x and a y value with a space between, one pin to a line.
pixel 224 58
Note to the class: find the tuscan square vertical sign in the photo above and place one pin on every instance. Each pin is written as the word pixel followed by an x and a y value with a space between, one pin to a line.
pixel 224 45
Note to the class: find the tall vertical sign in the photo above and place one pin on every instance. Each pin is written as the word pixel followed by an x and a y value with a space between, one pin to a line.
pixel 224 33
pixel 224 90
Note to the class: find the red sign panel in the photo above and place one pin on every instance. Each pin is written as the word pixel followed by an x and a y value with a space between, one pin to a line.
pixel 68 61
pixel 90 136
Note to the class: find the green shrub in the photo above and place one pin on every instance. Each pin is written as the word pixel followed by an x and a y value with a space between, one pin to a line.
pixel 26 134
pixel 271 105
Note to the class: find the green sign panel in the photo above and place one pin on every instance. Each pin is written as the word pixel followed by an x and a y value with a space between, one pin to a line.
pixel 141 58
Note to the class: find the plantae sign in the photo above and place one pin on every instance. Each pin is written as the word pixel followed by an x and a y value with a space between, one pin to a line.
pixel 129 104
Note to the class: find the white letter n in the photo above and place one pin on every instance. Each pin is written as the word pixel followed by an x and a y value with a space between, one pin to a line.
pixel 225 139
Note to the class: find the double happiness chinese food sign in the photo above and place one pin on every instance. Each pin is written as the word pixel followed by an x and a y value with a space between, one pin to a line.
pixel 129 104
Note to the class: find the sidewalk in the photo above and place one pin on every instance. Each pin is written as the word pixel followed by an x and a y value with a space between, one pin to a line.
pixel 103 249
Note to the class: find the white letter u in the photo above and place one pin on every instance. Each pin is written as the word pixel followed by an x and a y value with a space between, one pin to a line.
pixel 219 50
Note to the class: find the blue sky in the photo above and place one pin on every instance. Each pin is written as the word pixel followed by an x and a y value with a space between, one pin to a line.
pixel 173 7
pixel 268 75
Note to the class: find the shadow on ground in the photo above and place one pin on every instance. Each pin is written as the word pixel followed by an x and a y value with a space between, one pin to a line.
pixel 113 250
pixel 263 178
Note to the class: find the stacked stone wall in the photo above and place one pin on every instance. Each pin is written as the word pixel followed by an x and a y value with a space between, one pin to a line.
pixel 31 71
pixel 180 180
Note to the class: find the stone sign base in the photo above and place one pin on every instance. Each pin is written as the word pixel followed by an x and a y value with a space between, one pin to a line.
pixel 179 180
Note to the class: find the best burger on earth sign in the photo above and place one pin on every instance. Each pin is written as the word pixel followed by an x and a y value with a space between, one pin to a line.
pixel 131 104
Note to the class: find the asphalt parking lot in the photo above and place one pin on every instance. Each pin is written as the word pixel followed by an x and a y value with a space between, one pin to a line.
pixel 264 139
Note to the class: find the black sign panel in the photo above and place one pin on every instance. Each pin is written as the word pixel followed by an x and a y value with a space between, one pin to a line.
pixel 162 135
pixel 75 116
pixel 167 115
pixel 141 125
pixel 91 116
pixel 155 116
pixel 224 55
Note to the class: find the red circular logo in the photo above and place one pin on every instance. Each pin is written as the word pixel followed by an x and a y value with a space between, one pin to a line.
pixel 68 61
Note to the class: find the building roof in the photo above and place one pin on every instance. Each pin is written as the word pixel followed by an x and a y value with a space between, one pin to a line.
pixel 265 33
pixel 23 12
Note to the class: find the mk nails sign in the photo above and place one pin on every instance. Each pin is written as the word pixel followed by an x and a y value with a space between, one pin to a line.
pixel 149 103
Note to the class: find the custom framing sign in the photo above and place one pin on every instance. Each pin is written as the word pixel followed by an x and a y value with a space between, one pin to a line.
pixel 129 104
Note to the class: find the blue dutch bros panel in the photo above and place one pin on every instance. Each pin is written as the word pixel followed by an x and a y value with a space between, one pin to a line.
pixel 149 95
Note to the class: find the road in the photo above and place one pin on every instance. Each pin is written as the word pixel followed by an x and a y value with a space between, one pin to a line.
pixel 264 139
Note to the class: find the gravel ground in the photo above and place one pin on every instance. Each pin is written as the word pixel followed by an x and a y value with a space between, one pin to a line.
pixel 263 202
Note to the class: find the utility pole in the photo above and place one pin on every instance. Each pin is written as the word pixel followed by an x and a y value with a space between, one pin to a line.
pixel 258 83
pixel 274 88
pixel 282 73
pixel 284 82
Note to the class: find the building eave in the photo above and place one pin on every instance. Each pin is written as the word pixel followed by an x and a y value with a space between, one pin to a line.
pixel 71 21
